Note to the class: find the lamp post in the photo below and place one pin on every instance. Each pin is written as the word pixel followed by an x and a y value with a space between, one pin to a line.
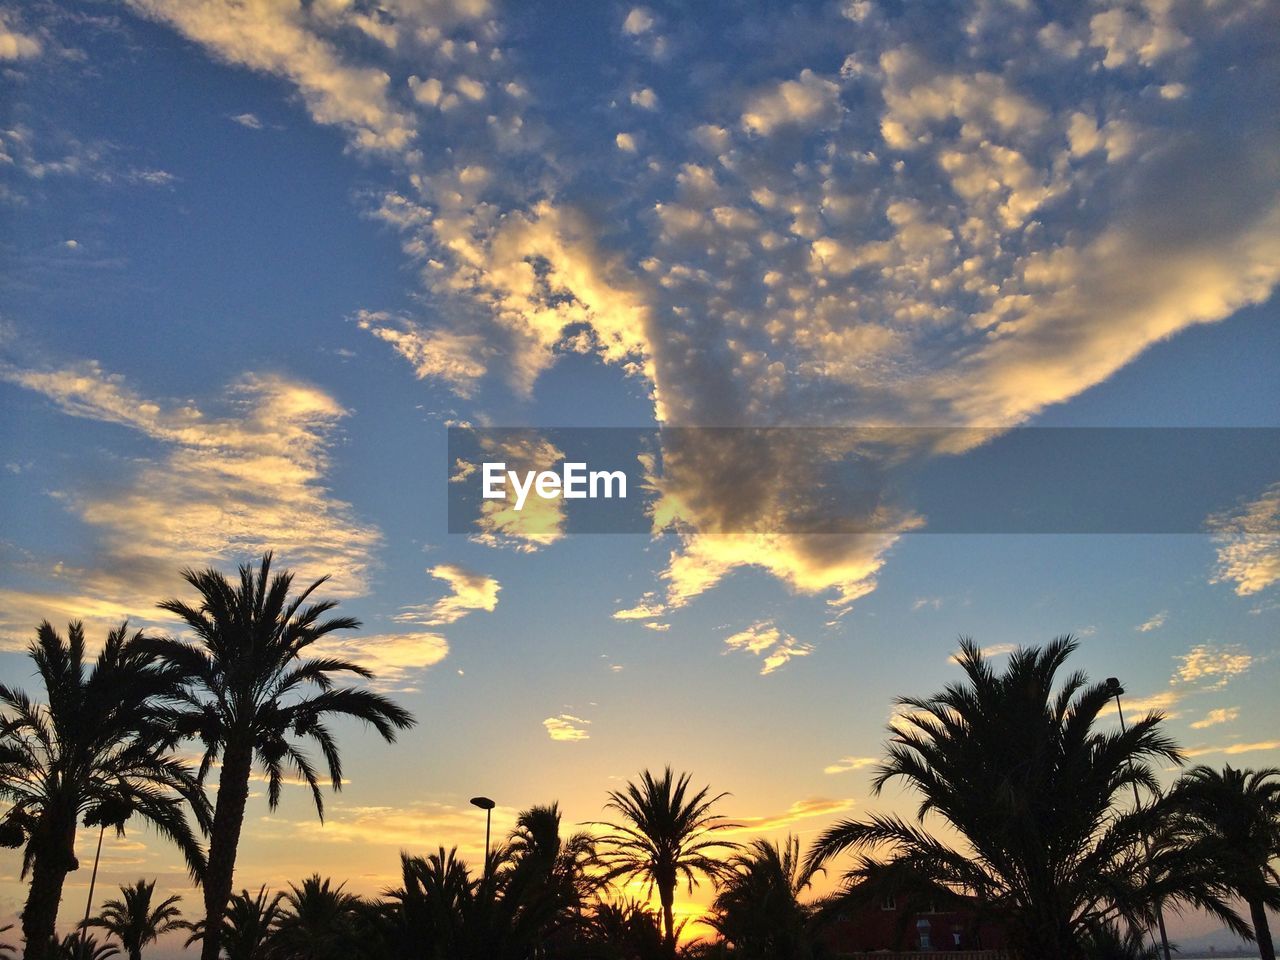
pixel 1115 689
pixel 487 805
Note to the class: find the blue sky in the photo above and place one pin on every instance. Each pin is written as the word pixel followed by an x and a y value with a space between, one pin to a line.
pixel 257 258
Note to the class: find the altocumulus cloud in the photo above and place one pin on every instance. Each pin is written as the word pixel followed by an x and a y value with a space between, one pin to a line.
pixel 985 210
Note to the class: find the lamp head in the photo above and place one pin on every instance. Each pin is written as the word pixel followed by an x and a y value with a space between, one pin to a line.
pixel 1113 687
pixel 484 803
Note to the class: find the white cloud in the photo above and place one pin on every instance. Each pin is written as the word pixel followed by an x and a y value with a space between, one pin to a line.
pixel 567 728
pixel 1214 665
pixel 639 20
pixel 644 98
pixel 468 591
pixel 1215 717
pixel 247 120
pixel 14 43
pixel 846 764
pixel 765 640
pixel 1154 622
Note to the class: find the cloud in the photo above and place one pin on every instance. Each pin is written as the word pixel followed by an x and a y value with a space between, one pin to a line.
pixel 1234 748
pixel 934 240
pixel 396 659
pixel 993 650
pixel 626 142
pixel 567 728
pixel 247 120
pixel 468 591
pixel 846 764
pixel 1215 717
pixel 800 810
pixel 1155 622
pixel 227 482
pixel 806 102
pixel 1213 666
pixel 644 98
pixel 765 640
pixel 1248 544
pixel 14 43
pixel 414 827
pixel 639 20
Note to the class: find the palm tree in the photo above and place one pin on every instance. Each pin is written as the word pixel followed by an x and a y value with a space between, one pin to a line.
pixel 134 922
pixel 247 926
pixel 83 946
pixel 1231 820
pixel 247 700
pixel 7 951
pixel 758 909
pixel 97 748
pixel 626 931
pixel 318 922
pixel 666 835
pixel 435 906
pixel 1012 763
pixel 549 879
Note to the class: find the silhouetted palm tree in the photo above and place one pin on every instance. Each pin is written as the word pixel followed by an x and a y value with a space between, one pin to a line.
pixel 434 907
pixel 96 748
pixel 248 700
pixel 1231 821
pixel 549 878
pixel 1110 942
pixel 247 926
pixel 758 909
pixel 667 834
pixel 1012 762
pixel 134 921
pixel 83 946
pixel 318 922
pixel 7 950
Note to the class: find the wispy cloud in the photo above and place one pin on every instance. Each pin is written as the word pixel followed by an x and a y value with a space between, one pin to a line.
pixel 1215 717
pixel 1249 545
pixel 1232 749
pixel 468 592
pixel 800 810
pixel 846 764
pixel 1154 622
pixel 765 640
pixel 1213 666
pixel 223 487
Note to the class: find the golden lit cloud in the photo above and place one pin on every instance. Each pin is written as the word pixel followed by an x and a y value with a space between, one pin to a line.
pixel 468 591
pixel 1212 665
pixel 223 488
pixel 567 727
pixel 1215 717
pixel 800 810
pixel 1248 544
pixel 846 764
pixel 1234 748
pixel 1155 622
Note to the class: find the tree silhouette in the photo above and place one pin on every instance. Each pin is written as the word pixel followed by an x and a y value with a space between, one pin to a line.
pixel 247 700
pixel 1014 764
pixel 134 922
pixel 758 909
pixel 1231 821
pixel 666 835
pixel 97 748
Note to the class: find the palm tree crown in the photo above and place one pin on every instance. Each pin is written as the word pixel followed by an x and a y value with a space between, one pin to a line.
pixel 134 921
pixel 1230 820
pixel 666 835
pixel 251 697
pixel 1012 762
pixel 758 907
pixel 98 748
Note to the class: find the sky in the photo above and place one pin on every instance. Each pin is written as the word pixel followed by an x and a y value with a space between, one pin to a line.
pixel 259 256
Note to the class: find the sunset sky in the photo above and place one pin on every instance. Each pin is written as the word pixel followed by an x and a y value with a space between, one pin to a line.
pixel 259 255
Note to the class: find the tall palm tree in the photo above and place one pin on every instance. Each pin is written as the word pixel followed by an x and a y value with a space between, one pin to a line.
pixel 318 922
pixel 1013 763
pixel 248 698
pixel 758 908
pixel 667 834
pixel 83 946
pixel 134 921
pixel 96 748
pixel 1230 819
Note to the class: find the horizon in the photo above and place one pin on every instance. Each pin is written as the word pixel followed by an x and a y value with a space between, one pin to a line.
pixel 260 261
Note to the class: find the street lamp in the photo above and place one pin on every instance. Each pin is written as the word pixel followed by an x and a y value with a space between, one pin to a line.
pixel 487 805
pixel 1114 689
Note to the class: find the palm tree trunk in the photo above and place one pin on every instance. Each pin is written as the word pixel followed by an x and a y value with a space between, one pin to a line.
pixel 1261 929
pixel 668 895
pixel 224 839
pixel 40 916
